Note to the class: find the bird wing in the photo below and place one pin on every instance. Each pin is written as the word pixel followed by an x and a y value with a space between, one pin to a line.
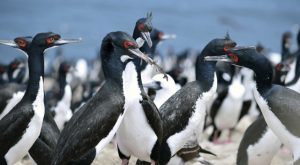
pixel 153 116
pixel 179 108
pixel 90 125
pixel 12 125
pixel 285 105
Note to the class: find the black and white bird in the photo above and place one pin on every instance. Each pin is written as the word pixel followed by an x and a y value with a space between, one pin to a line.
pixel 11 93
pixel 22 125
pixel 279 105
pixel 292 78
pixel 184 113
pixel 229 102
pixel 140 133
pixel 62 112
pixel 97 121
pixel 17 71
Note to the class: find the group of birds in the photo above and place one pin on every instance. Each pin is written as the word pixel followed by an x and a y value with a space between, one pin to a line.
pixel 154 116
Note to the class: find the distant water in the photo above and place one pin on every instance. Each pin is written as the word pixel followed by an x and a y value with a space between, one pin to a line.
pixel 194 21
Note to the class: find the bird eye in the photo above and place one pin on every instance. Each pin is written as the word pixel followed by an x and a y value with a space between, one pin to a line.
pixel 21 43
pixel 50 40
pixel 128 44
pixel 141 26
pixel 56 37
pixel 234 57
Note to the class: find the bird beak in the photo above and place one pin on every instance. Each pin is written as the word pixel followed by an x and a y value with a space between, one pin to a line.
pixel 141 55
pixel 10 43
pixel 223 58
pixel 168 36
pixel 153 85
pixel 147 38
pixel 147 59
pixel 66 41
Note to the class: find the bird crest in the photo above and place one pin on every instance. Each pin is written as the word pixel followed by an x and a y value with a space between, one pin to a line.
pixel 149 16
pixel 227 36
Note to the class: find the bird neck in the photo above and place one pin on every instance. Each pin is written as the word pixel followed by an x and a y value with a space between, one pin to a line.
pixel 263 71
pixel 145 49
pixel 111 65
pixel 149 51
pixel 136 33
pixel 278 78
pixel 297 68
pixel 285 52
pixel 205 70
pixel 62 84
pixel 36 73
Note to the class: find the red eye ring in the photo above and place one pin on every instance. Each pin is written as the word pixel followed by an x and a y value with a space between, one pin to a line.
pixel 233 57
pixel 21 43
pixel 278 67
pixel 50 40
pixel 128 44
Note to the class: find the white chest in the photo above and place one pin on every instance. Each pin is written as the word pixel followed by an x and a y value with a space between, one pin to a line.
pixel 20 149
pixel 230 107
pixel 63 113
pixel 135 136
pixel 288 139
pixel 264 150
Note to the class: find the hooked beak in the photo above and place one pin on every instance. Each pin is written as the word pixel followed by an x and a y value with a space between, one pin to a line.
pixel 66 41
pixel 10 43
pixel 153 85
pixel 223 58
pixel 147 59
pixel 141 55
pixel 147 38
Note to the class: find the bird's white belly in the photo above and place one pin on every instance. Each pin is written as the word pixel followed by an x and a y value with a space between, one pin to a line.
pixel 135 136
pixel 63 114
pixel 288 139
pixel 228 113
pixel 264 150
pixel 20 149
